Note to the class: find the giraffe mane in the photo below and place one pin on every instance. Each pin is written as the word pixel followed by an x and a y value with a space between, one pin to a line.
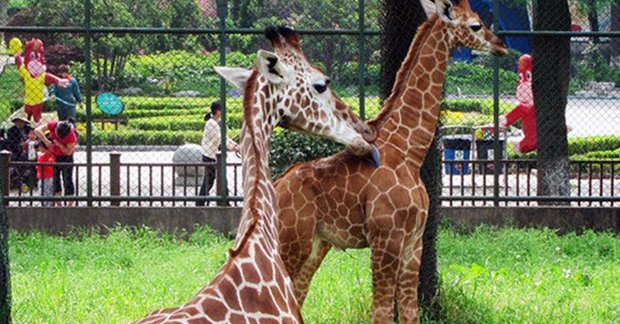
pixel 403 73
pixel 248 101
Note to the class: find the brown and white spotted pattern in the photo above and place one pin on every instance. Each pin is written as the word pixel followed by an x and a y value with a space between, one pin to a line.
pixel 343 201
pixel 284 89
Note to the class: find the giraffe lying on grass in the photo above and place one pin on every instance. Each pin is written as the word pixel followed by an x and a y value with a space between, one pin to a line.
pixel 284 89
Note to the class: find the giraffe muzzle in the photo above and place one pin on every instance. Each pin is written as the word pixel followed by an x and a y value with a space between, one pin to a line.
pixel 364 149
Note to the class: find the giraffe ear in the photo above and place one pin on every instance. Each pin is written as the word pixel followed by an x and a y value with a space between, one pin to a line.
pixel 444 10
pixel 235 76
pixel 270 65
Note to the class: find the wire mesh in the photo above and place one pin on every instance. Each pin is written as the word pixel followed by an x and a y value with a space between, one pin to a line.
pixel 158 59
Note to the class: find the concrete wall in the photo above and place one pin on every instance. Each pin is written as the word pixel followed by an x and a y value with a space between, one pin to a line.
pixel 562 218
pixel 62 220
pixel 225 219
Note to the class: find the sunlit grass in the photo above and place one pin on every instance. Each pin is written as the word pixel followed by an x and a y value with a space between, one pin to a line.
pixel 488 276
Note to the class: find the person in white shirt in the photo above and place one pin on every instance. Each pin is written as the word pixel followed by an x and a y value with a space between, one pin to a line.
pixel 211 140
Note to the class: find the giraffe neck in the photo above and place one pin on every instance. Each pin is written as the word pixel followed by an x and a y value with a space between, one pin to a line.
pixel 260 118
pixel 410 114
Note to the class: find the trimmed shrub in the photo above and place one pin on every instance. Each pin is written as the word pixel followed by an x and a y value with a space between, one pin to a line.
pixel 288 148
pixel 138 137
pixel 475 79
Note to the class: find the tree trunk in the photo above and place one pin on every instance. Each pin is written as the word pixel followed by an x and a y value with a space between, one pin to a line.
pixel 400 21
pixel 551 56
pixel 615 41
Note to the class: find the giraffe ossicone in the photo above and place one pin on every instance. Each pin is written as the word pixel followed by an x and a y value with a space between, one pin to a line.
pixel 348 204
pixel 253 286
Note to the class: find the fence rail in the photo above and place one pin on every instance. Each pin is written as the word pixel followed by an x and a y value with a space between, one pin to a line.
pixel 348 51
pixel 177 184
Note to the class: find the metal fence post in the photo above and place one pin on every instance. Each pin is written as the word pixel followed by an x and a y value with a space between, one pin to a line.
pixel 5 161
pixel 222 11
pixel 89 128
pixel 496 149
pixel 115 177
pixel 220 189
pixel 362 60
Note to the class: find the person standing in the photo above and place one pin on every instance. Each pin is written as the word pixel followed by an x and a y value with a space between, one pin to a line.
pixel 69 97
pixel 45 172
pixel 211 140
pixel 62 141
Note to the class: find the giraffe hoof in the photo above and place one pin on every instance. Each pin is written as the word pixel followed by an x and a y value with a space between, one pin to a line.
pixel 375 157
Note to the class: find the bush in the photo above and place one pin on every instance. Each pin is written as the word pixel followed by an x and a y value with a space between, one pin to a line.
pixel 139 137
pixel 474 79
pixel 594 67
pixel 583 145
pixel 177 70
pixel 585 148
pixel 288 148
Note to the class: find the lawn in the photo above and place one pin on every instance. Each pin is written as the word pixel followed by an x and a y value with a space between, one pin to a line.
pixel 488 276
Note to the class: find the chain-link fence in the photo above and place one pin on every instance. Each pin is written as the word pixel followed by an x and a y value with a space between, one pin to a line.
pixel 145 71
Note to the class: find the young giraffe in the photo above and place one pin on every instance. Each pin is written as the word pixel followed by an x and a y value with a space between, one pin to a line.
pixel 284 89
pixel 342 201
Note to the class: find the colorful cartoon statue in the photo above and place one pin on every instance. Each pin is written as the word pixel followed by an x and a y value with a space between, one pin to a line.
pixel 32 69
pixel 525 110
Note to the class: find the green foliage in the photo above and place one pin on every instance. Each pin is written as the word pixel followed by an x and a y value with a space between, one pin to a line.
pixel 507 62
pixel 508 276
pixel 475 79
pixel 143 137
pixel 11 92
pixel 593 67
pixel 484 106
pixel 598 155
pixel 488 275
pixel 288 148
pixel 585 148
pixel 112 50
pixel 583 145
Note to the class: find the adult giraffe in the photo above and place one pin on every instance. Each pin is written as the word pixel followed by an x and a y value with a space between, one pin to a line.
pixel 284 89
pixel 343 201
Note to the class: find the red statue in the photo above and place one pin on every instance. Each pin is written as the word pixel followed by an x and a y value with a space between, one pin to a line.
pixel 525 110
pixel 32 69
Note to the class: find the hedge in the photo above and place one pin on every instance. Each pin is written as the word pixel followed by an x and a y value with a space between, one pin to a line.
pixel 288 148
pixel 140 137
pixel 585 148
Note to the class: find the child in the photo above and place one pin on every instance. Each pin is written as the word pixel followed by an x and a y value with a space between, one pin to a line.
pixel 45 173
pixel 31 144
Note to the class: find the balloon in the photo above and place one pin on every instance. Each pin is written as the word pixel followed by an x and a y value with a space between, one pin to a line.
pixel 15 46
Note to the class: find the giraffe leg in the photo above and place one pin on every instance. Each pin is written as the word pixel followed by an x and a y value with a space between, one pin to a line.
pixel 302 281
pixel 408 279
pixel 411 260
pixel 386 250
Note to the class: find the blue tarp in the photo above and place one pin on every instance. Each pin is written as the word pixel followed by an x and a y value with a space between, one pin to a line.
pixel 511 17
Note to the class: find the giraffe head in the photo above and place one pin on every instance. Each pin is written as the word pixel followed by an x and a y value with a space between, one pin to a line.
pixel 298 95
pixel 466 28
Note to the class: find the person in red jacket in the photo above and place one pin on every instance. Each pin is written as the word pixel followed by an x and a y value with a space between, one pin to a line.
pixel 525 110
pixel 62 141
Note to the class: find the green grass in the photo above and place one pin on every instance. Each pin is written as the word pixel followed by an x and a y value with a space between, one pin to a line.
pixel 488 276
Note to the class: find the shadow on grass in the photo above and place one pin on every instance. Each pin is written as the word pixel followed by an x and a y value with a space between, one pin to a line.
pixel 455 306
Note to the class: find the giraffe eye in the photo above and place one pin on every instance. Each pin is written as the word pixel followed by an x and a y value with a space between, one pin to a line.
pixel 320 87
pixel 475 27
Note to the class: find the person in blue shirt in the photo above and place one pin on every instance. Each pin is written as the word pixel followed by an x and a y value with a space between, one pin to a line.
pixel 67 98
